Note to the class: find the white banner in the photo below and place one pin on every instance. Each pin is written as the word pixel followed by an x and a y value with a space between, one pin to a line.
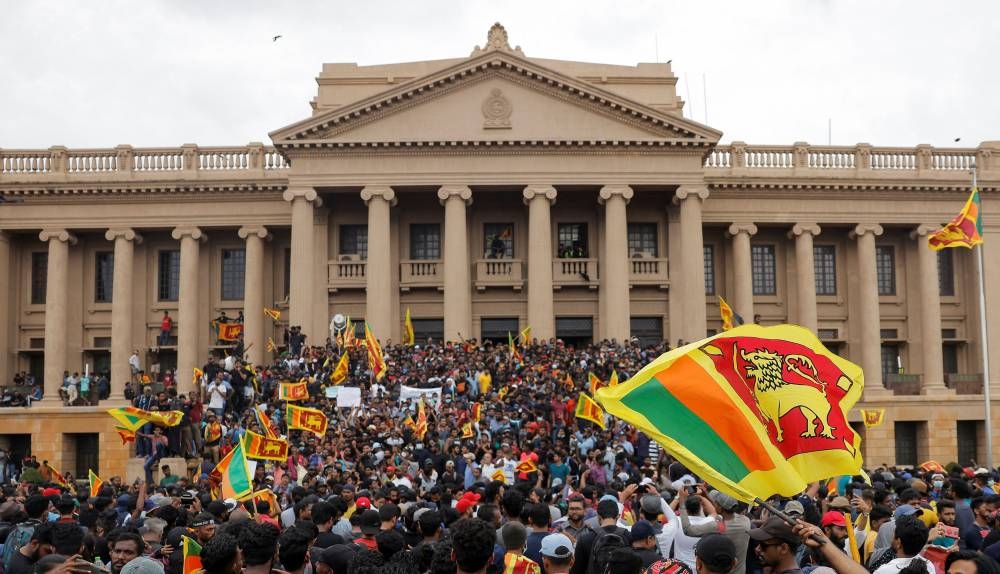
pixel 348 397
pixel 433 395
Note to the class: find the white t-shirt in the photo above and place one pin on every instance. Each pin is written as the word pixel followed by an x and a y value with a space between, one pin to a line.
pixel 894 566
pixel 216 395
pixel 684 544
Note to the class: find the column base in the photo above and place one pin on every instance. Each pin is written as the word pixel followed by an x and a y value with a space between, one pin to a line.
pixel 115 402
pixel 938 390
pixel 874 394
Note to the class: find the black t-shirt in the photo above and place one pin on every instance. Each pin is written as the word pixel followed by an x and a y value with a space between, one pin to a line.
pixel 20 564
pixel 328 539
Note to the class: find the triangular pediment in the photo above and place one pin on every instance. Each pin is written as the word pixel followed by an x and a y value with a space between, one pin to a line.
pixel 495 96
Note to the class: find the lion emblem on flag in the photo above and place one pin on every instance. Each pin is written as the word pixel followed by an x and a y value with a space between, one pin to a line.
pixel 776 395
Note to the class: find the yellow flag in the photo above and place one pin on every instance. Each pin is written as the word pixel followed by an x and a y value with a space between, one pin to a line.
pixel 339 374
pixel 408 336
pixel 614 379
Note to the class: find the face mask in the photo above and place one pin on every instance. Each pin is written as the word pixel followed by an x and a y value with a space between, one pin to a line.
pixel 938 484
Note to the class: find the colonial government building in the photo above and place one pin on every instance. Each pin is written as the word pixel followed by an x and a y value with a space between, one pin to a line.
pixel 487 193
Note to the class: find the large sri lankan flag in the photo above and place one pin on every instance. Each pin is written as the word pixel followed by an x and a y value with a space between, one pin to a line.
pixel 755 411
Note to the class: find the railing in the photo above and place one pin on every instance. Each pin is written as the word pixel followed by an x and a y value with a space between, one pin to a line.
pixel 574 272
pixel 906 384
pixel 862 157
pixel 346 275
pixel 649 272
pixel 965 384
pixel 499 273
pixel 420 273
pixel 60 163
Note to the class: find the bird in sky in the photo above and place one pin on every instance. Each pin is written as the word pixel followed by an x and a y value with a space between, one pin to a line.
pixel 275 39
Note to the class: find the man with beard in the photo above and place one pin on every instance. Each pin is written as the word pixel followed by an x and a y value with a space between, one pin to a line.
pixel 41 545
pixel 834 525
pixel 777 544
pixel 125 548
pixel 983 510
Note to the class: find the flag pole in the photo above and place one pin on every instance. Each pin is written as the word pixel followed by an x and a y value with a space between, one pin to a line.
pixel 984 337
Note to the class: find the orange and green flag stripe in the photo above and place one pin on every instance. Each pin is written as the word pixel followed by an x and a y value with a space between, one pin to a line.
pixel 685 402
pixel 192 555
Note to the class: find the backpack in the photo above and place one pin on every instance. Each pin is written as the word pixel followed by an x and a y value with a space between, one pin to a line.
pixel 605 544
pixel 18 537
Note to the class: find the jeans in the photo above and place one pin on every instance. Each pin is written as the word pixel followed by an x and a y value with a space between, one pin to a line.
pixel 151 462
pixel 143 446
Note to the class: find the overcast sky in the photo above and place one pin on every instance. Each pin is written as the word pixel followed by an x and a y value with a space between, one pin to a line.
pixel 159 73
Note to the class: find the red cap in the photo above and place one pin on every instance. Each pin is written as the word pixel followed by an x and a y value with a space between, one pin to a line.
pixel 464 505
pixel 834 518
pixel 363 502
pixel 390 468
pixel 51 492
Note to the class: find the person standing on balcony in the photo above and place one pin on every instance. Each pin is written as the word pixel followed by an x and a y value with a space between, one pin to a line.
pixel 166 325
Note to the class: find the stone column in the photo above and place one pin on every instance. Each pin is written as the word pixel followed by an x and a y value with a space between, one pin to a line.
pixel 125 239
pixel 56 294
pixel 379 310
pixel 303 272
pixel 692 292
pixel 615 324
pixel 187 308
pixel 805 276
pixel 868 308
pixel 6 366
pixel 743 269
pixel 541 310
pixel 457 285
pixel 253 292
pixel 930 311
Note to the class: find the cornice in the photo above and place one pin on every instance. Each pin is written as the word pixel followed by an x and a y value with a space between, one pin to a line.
pixel 296 150
pixel 138 191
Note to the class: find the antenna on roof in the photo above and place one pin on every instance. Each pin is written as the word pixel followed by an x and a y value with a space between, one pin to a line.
pixel 656 43
pixel 829 131
pixel 687 86
pixel 704 96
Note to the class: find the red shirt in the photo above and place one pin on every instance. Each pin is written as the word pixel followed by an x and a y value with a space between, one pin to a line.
pixel 166 324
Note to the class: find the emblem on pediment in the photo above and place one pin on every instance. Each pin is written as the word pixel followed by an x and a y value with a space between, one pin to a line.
pixel 496 110
pixel 496 39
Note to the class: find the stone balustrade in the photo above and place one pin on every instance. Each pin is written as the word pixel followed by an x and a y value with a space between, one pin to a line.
pixel 840 161
pixel 59 164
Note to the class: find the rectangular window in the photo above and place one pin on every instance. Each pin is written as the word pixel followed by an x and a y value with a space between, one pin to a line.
pixel 709 270
pixel 169 275
pixel 87 447
pixel 354 240
pixel 498 240
pixel 39 276
pixel 967 433
pixel 642 240
pixel 946 272
pixel 827 334
pixel 575 330
pixel 425 241
pixel 649 330
pixel 949 358
pixel 104 275
pixel 496 328
pixel 572 240
pixel 890 360
pixel 825 267
pixel 885 269
pixel 424 329
pixel 906 443
pixel 233 273
pixel 764 273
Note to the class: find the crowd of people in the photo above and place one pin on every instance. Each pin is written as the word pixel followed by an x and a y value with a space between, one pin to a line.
pixel 373 495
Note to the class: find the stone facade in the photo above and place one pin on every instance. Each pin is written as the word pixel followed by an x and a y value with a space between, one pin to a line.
pixel 407 178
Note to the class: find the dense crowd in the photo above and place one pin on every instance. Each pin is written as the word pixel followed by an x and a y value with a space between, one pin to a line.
pixel 372 495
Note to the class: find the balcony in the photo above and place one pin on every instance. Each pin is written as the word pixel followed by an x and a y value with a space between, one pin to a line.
pixel 574 273
pixel 649 271
pixel 965 384
pixel 419 273
pixel 499 273
pixel 903 384
pixel 346 274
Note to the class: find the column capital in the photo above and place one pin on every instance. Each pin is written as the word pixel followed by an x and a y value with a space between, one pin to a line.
pixel 189 231
pixel 57 234
pixel 307 193
pixel 126 233
pixel 609 191
pixel 253 230
pixel 385 192
pixel 532 191
pixel 803 228
pixel 863 228
pixel 923 230
pixel 463 192
pixel 736 228
pixel 685 191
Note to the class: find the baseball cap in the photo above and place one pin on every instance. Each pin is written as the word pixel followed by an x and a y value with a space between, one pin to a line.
pixel 651 503
pixel 716 551
pixel 557 545
pixel 641 530
pixel 723 500
pixel 905 510
pixel 142 565
pixel 794 507
pixel 775 527
pixel 840 503
pixel 231 504
pixel 338 557
pixel 369 522
pixel 834 518
pixel 363 502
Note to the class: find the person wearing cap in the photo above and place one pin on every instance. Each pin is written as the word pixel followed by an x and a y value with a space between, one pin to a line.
pixel 643 539
pixel 777 545
pixel 716 554
pixel 370 525
pixel 812 537
pixel 651 506
pixel 514 539
pixel 734 526
pixel 142 565
pixel 335 559
pixel 834 525
pixel 557 554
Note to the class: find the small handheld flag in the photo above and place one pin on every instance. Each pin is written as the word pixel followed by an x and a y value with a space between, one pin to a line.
pixel 526 466
pixel 589 410
pixel 95 483
pixel 376 362
pixel 499 475
pixel 339 374
pixel 301 418
pixel 192 555
pixel 233 472
pixel 293 391
pixel 125 434
pixel 729 317
pixel 273 314
pixel 408 336
pixel 593 383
